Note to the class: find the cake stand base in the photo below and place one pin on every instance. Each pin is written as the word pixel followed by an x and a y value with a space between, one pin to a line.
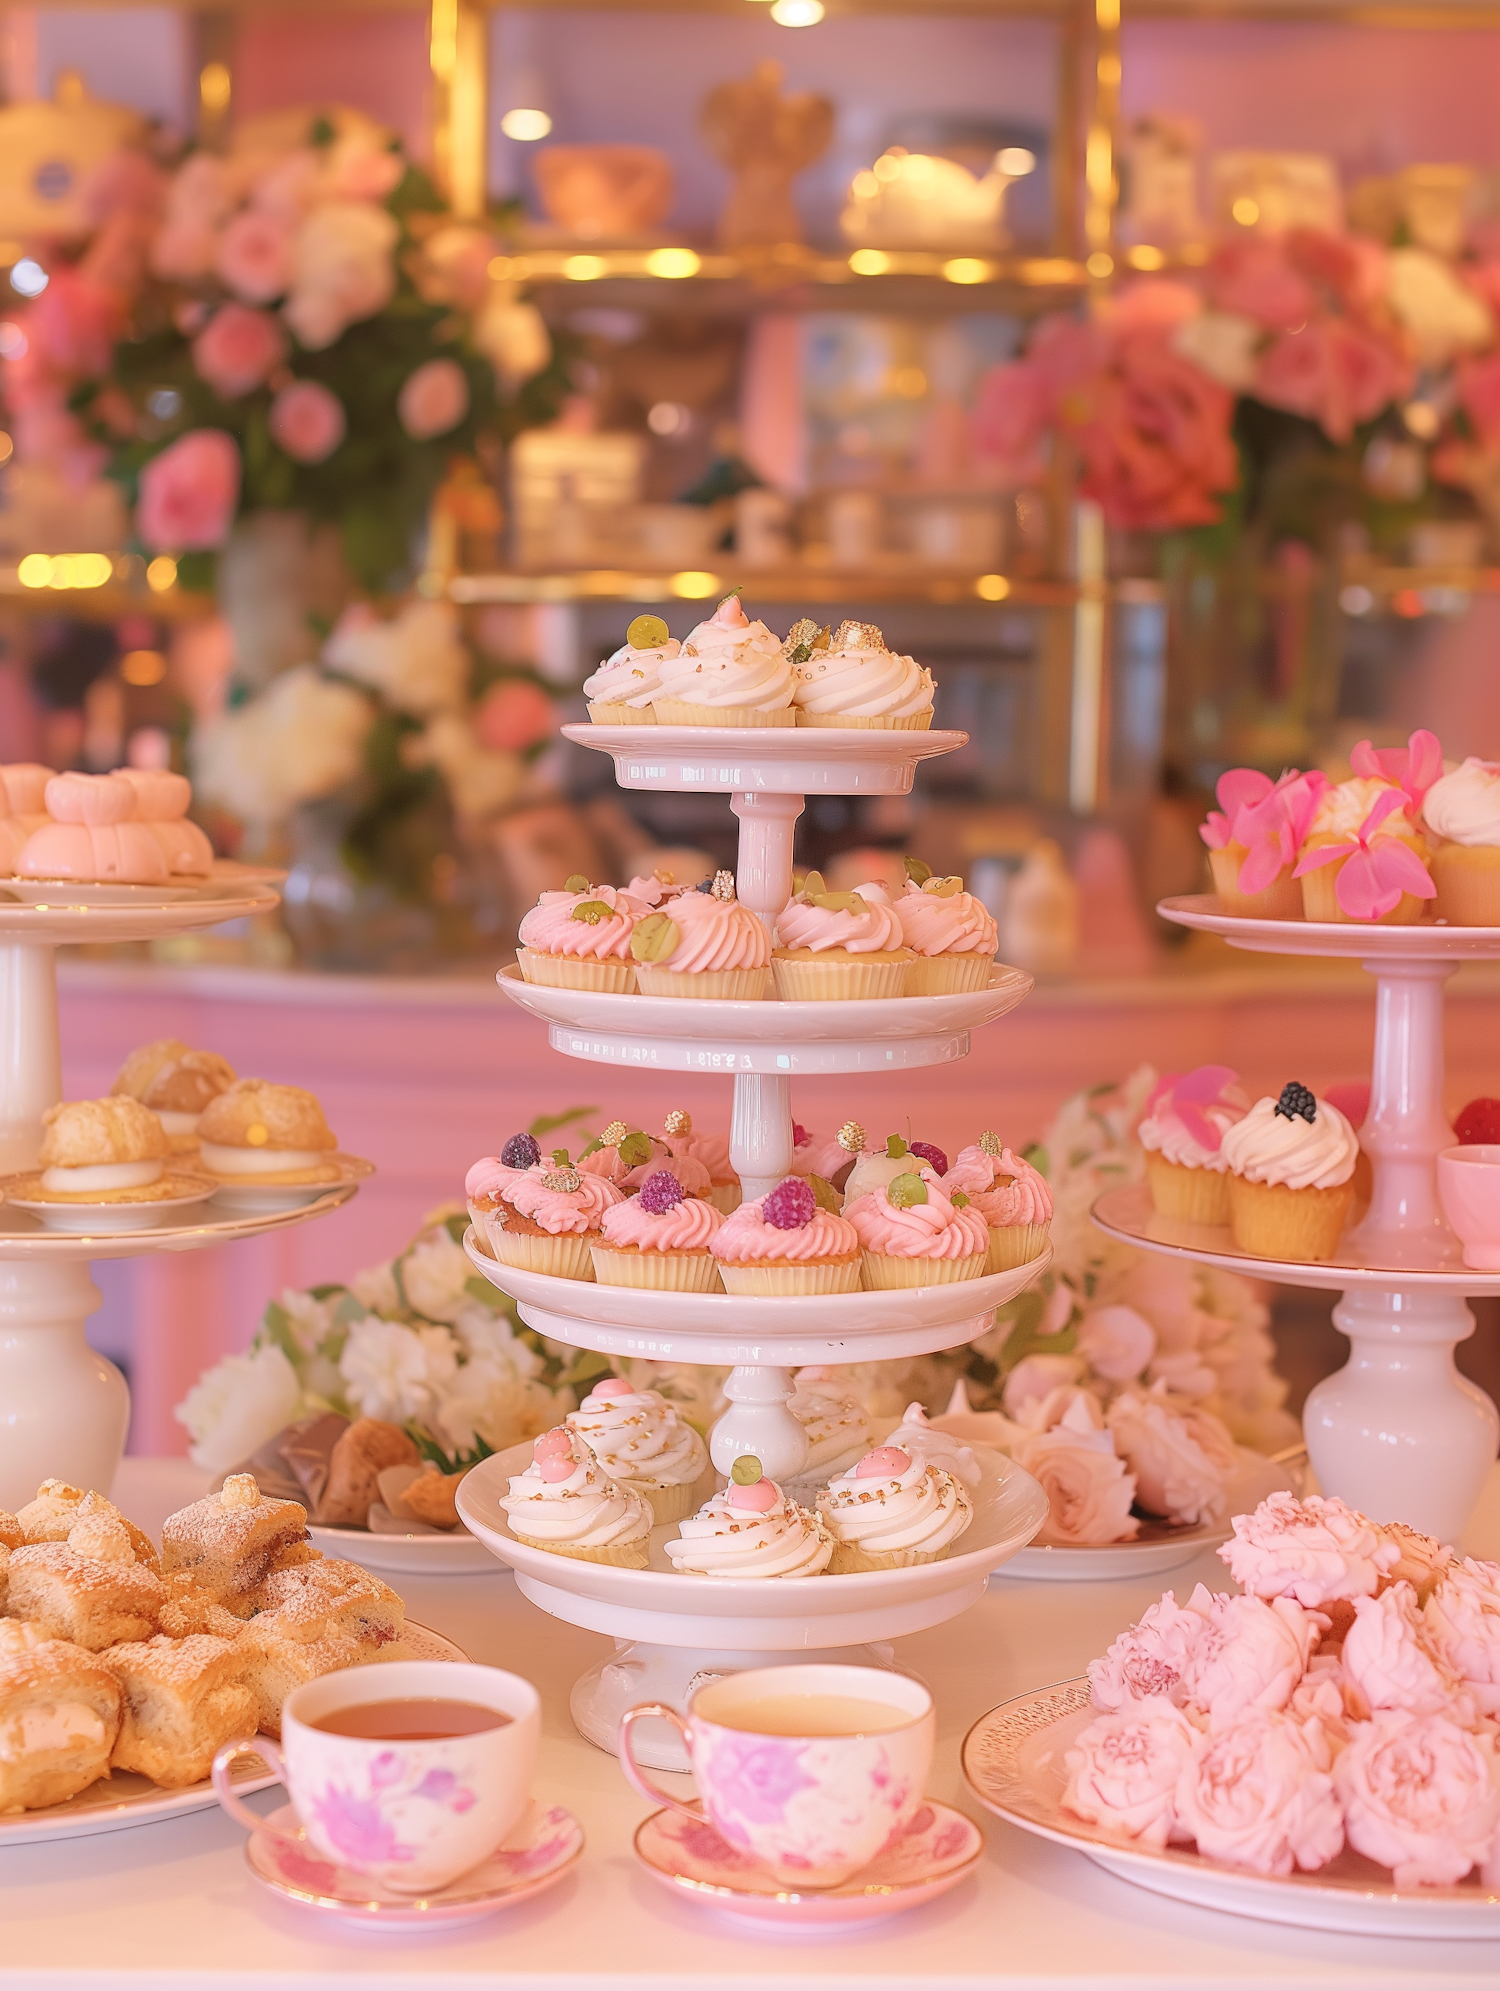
pixel 641 1673
pixel 1398 1432
pixel 63 1408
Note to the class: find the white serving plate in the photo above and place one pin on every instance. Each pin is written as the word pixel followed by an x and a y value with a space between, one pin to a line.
pixel 91 1218
pixel 457 1554
pixel 1013 1763
pixel 126 1799
pixel 73 914
pixel 257 1199
pixel 1428 940
pixel 661 1605
pixel 772 760
pixel 24 1237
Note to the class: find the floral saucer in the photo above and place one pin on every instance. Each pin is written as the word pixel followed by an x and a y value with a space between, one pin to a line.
pixel 937 1850
pixel 546 1844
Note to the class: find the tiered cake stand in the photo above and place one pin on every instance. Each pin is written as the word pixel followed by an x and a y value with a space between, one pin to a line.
pixel 63 1408
pixel 1398 1432
pixel 671 1628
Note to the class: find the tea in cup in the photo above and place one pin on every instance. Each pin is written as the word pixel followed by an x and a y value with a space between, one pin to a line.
pixel 408 1774
pixel 809 1769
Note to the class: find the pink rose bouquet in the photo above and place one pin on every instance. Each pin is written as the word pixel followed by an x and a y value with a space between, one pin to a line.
pixel 1259 1795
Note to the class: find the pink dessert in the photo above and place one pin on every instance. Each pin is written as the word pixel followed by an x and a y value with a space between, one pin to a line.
pixel 127 828
pixel 952 934
pixel 1316 1550
pixel 627 1158
pixel 660 1237
pixel 1254 836
pixel 23 809
pixel 912 1233
pixel 580 940
pixel 1009 1194
pixel 541 1218
pixel 838 946
pixel 784 1243
pixel 683 1143
pixel 703 944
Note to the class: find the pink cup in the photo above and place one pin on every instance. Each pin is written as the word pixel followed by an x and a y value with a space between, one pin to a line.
pixel 1469 1188
pixel 812 1808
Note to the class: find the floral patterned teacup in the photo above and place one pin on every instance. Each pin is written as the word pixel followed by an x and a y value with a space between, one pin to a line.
pixel 813 1807
pixel 411 1816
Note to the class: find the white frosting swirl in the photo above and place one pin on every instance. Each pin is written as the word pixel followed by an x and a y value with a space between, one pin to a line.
pixel 720 1540
pixel 832 1415
pixel 1164 1134
pixel 865 682
pixel 724 663
pixel 1342 810
pixel 918 1435
pixel 1266 1146
pixel 588 1510
pixel 1464 806
pixel 630 676
pixel 637 1435
pixel 921 1507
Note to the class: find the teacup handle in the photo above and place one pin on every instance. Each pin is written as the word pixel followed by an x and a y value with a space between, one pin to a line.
pixel 228 1756
pixel 635 1776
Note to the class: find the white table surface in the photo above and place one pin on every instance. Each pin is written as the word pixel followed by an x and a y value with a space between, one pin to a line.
pixel 173 1905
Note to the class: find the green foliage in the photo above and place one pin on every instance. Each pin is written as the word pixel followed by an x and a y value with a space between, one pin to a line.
pixel 548 1123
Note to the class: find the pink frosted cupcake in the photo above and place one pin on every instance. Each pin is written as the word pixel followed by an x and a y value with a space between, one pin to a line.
pixel 784 1243
pixel 710 1151
pixel 951 934
pixel 1187 1117
pixel 913 1233
pixel 838 946
pixel 659 1237
pixel 703 944
pixel 543 1218
pixel 579 938
pixel 626 1156
pixel 1010 1195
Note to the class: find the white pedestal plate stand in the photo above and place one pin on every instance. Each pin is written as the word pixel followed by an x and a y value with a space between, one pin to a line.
pixel 671 1631
pixel 1397 1432
pixel 64 1408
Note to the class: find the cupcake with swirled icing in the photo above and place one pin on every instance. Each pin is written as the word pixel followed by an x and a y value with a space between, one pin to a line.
pixel 704 944
pixel 1353 828
pixel 1187 1116
pixel 730 671
pixel 951 933
pixel 820 1155
pixel 626 1156
pixel 751 1530
pixel 783 1242
pixel 579 938
pixel 838 946
pixel 621 691
pixel 1009 1194
pixel 684 1143
pixel 659 1237
pixel 566 1503
pixel 1461 812
pixel 543 1217
pixel 930 1446
pixel 833 1418
pixel 852 678
pixel 1291 1180
pixel 642 1443
pixel 893 1511
pixel 913 1233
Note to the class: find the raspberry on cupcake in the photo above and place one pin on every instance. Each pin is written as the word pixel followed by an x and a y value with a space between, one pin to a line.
pixel 539 1215
pixel 660 1237
pixel 784 1242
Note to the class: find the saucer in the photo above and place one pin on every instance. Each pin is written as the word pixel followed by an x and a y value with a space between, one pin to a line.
pixel 259 1198
pixel 186 1188
pixel 540 1849
pixel 938 1848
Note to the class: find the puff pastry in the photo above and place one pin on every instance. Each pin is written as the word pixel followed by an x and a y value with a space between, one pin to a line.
pixel 182 1700
pixel 59 1716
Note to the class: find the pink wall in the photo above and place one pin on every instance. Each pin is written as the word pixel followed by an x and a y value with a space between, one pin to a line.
pixel 376 62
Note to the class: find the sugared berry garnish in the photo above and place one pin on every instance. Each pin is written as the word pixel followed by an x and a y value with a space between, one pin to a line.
pixel 906 1192
pixel 661 1192
pixel 799 1134
pixel 790 1205
pixel 932 1154
pixel 1479 1124
pixel 1297 1102
pixel 521 1151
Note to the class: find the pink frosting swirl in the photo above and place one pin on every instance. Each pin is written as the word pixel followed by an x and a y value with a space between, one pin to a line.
pixel 711 1149
pixel 1024 1199
pixel 747 1239
pixel 606 1161
pixel 934 925
pixel 489 1177
pixel 550 927
pixel 813 1155
pixel 715 934
pixel 689 1226
pixel 560 1211
pixel 875 929
pixel 934 1229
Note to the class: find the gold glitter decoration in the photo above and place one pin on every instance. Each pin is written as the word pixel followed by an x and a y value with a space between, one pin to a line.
pixel 614 1133
pixel 851 1137
pixel 564 1181
pixel 678 1122
pixel 724 885
pixel 858 636
pixel 989 1144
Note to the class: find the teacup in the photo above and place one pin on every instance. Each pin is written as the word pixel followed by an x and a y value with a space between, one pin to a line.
pixel 809 1769
pixel 409 1816
pixel 1469 1189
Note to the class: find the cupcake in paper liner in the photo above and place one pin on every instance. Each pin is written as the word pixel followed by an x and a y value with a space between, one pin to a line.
pixel 621 691
pixel 579 938
pixel 1291 1181
pixel 892 1511
pixel 837 1426
pixel 785 1242
pixel 705 945
pixel 1187 1116
pixel 1011 1196
pixel 913 1233
pixel 567 1504
pixel 641 1442
pixel 683 1143
pixel 851 678
pixel 730 671
pixel 751 1530
pixel 1461 812
pixel 951 933
pixel 543 1217
pixel 838 946
pixel 660 1237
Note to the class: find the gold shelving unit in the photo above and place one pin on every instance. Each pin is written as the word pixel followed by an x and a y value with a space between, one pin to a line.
pixel 803 584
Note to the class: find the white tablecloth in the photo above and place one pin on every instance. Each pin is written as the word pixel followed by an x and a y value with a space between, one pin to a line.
pixel 173 1905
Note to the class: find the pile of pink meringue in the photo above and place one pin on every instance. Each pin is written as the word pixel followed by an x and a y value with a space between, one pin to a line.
pixel 125 828
pixel 1349 1697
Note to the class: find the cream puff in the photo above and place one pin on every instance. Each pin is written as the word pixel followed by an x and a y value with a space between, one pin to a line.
pixel 175 1083
pixel 262 1133
pixel 103 1151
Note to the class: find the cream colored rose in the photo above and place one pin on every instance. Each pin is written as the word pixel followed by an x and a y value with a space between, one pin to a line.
pixel 1443 316
pixel 301 739
pixel 416 659
pixel 343 270
pixel 1089 1491
pixel 234 1407
pixel 1182 1458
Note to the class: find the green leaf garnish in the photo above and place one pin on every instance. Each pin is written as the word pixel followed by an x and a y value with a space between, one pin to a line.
pixel 895 1147
pixel 592 911
pixel 824 1194
pixel 654 938
pixel 907 1191
pixel 636 1148
pixel 577 883
pixel 916 870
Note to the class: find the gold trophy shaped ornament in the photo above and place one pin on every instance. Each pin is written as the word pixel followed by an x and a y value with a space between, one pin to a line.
pixel 766 140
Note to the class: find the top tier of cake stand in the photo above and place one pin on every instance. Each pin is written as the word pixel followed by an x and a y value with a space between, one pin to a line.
pixel 770 760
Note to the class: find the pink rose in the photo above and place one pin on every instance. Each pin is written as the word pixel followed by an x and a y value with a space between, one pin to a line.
pixel 189 492
pixel 513 715
pixel 1153 1658
pixel 1258 1795
pixel 1387 1660
pixel 1117 1342
pixel 433 399
pixel 1252 277
pixel 1012 412
pixel 237 348
pixel 1462 1619
pixel 1156 304
pixel 1182 1458
pixel 1089 1492
pixel 1320 1698
pixel 1153 431
pixel 1420 1796
pixel 1035 1378
pixel 1253 1655
pixel 1124 1771
pixel 307 421
pixel 1333 372
pixel 254 257
pixel 1318 1551
pixel 74 323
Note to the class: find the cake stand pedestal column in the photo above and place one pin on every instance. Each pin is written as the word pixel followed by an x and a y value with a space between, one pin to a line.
pixel 1406 1124
pixel 30 1059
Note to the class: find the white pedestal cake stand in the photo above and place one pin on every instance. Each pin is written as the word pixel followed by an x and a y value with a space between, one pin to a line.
pixel 63 1408
pixel 1398 1432
pixel 673 1629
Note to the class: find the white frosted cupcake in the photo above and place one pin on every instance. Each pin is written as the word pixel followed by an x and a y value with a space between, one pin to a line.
pixel 833 1416
pixel 1187 1117
pixel 566 1503
pixel 1462 811
pixel 730 671
pixel 751 1530
pixel 892 1512
pixel 875 1168
pixel 621 691
pixel 1292 1176
pixel 853 679
pixel 642 1443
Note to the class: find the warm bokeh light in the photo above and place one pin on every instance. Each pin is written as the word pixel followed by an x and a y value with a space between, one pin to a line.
pixel 161 574
pixel 797 13
pixel 869 262
pixel 966 269
pixel 584 269
pixel 143 667
pixel 992 587
pixel 64 570
pixel 674 262
pixel 525 124
pixel 693 585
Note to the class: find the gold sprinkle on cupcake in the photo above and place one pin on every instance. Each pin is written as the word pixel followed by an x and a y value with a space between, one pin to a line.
pixel 989 1144
pixel 678 1122
pixel 614 1133
pixel 851 1137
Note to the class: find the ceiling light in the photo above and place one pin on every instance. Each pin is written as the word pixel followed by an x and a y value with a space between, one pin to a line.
pixel 797 13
